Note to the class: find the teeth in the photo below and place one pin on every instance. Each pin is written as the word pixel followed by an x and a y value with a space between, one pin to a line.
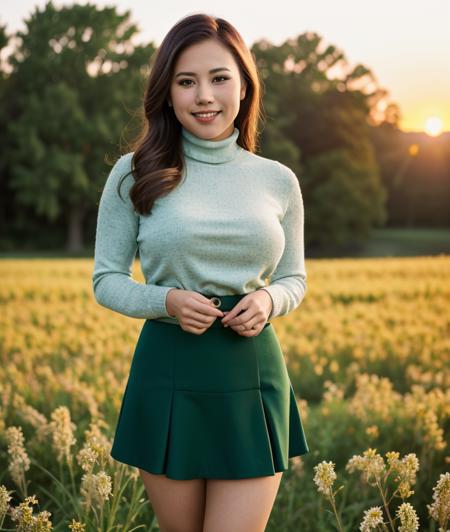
pixel 205 115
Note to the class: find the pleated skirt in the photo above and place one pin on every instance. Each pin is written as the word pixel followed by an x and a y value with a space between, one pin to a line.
pixel 214 405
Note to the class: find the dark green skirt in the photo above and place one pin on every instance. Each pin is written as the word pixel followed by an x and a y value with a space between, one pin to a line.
pixel 214 405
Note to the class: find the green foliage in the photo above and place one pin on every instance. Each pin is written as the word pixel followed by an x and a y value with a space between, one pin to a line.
pixel 79 75
pixel 320 129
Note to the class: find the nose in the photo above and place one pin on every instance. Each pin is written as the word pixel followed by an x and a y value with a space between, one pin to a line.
pixel 203 95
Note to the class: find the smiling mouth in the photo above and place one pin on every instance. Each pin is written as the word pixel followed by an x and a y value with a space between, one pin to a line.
pixel 207 113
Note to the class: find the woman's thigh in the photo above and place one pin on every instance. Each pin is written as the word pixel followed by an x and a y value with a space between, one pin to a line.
pixel 242 505
pixel 179 505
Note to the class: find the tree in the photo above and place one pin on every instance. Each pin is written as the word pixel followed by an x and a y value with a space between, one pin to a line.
pixel 5 198
pixel 326 118
pixel 76 74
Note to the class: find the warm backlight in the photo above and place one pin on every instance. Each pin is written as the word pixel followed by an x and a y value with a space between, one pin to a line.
pixel 433 126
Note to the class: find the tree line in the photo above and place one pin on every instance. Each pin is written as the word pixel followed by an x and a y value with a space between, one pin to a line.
pixel 71 87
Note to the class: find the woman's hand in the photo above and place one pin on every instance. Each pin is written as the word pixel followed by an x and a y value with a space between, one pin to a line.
pixel 255 309
pixel 194 311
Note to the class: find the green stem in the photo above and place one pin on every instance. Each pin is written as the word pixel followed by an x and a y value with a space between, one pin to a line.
pixel 392 496
pixel 101 518
pixel 72 480
pixel 331 499
pixel 386 506
pixel 61 479
pixel 22 485
pixel 115 500
pixel 138 489
pixel 58 482
pixel 94 511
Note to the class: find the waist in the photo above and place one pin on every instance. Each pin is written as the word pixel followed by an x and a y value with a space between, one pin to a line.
pixel 221 302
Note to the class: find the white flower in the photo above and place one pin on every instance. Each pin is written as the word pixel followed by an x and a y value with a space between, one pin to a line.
pixel 372 518
pixel 324 477
pixel 408 518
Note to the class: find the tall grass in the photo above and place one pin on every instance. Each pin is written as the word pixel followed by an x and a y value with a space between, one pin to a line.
pixel 368 354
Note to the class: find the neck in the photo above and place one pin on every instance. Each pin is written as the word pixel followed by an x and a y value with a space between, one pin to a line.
pixel 210 151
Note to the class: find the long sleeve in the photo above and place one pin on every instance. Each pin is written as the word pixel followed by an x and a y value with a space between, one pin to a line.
pixel 115 251
pixel 287 286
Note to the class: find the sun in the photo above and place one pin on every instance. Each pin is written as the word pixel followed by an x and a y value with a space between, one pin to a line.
pixel 433 126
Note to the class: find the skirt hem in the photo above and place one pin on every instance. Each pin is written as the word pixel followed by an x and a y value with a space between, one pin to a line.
pixel 174 476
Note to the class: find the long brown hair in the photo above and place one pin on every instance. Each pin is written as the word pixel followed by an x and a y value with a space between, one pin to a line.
pixel 158 158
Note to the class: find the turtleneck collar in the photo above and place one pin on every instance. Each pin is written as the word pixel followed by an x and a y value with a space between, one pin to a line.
pixel 210 151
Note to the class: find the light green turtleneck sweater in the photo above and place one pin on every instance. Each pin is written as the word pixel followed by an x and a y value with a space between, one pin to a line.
pixel 235 219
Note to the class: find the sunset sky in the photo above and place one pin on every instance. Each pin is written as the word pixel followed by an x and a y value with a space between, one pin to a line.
pixel 406 44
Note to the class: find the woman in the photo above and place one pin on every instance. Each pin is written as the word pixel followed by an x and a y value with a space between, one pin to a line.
pixel 208 414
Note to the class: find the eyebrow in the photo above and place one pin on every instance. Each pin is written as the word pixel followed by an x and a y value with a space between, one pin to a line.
pixel 211 72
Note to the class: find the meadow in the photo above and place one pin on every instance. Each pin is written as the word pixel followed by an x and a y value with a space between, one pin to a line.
pixel 368 353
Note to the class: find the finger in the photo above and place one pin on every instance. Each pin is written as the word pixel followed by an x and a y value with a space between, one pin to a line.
pixel 198 319
pixel 232 314
pixel 195 330
pixel 247 332
pixel 253 323
pixel 243 317
pixel 206 306
pixel 203 316
pixel 246 326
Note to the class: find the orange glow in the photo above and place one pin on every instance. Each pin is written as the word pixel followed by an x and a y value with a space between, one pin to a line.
pixel 413 150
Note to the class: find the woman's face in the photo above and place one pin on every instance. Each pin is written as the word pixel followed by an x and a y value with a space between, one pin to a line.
pixel 194 88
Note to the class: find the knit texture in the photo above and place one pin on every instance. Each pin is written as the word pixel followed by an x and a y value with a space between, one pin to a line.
pixel 235 220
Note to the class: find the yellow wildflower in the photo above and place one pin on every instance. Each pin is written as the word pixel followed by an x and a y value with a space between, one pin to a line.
pixel 19 461
pixel 76 526
pixel 5 497
pixel 62 433
pixel 440 509
pixel 371 465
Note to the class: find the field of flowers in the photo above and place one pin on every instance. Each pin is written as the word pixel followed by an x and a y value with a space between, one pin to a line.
pixel 368 352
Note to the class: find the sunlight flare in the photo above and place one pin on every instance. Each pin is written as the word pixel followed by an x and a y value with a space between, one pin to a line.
pixel 433 126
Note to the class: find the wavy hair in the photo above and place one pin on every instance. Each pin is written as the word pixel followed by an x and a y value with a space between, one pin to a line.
pixel 158 159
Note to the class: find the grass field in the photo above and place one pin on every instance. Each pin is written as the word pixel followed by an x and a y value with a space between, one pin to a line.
pixel 393 242
pixel 368 353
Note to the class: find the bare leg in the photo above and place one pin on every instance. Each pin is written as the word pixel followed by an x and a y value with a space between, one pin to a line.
pixel 179 505
pixel 242 505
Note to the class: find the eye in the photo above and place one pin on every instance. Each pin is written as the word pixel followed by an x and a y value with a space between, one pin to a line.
pixel 216 77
